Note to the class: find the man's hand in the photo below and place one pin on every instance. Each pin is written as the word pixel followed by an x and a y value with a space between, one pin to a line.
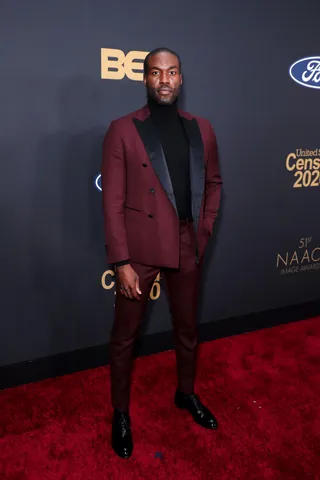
pixel 128 282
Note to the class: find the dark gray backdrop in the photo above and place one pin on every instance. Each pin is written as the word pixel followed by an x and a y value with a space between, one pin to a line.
pixel 55 109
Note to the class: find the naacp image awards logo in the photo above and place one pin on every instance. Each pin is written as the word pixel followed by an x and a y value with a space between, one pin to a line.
pixel 304 257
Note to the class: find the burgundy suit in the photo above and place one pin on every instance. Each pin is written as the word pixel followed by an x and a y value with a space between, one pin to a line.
pixel 142 223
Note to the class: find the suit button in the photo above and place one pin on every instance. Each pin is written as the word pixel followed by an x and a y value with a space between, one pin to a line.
pixel 144 165
pixel 152 190
pixel 150 216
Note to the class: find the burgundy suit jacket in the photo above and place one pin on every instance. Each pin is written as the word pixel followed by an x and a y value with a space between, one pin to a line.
pixel 140 212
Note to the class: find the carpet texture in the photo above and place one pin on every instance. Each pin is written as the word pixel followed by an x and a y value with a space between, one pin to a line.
pixel 263 387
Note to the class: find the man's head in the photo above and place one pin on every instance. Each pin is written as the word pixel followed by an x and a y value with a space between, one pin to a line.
pixel 162 75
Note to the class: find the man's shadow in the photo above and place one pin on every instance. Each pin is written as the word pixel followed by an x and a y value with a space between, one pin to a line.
pixel 68 255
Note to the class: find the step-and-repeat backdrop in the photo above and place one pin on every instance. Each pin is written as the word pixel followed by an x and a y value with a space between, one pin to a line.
pixel 68 69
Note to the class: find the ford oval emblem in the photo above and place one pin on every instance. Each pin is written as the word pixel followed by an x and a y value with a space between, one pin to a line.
pixel 97 182
pixel 306 72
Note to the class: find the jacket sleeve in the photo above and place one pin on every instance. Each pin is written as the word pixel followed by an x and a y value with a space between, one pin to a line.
pixel 213 182
pixel 113 181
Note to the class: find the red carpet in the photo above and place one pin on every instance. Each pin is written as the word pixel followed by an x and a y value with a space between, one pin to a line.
pixel 264 388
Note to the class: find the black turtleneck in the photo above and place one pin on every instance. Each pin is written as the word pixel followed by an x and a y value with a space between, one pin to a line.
pixel 175 145
pixel 174 141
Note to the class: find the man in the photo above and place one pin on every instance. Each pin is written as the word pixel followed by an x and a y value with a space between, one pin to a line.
pixel 161 193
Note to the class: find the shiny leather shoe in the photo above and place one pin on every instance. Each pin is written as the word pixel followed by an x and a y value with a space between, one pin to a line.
pixel 121 434
pixel 200 413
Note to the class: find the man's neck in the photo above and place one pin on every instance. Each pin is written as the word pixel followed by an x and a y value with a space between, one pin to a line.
pixel 160 109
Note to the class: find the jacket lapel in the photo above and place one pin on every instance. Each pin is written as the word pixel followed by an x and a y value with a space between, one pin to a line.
pixel 155 152
pixel 156 155
pixel 197 166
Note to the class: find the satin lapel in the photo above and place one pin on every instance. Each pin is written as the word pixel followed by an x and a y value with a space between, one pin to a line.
pixel 197 166
pixel 155 152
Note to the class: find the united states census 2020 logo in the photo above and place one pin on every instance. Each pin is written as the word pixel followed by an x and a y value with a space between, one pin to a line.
pixel 97 182
pixel 306 72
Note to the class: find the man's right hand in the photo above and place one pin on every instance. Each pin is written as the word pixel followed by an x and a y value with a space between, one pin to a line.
pixel 128 282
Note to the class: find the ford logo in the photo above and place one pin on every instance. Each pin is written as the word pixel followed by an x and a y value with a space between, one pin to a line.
pixel 306 72
pixel 97 182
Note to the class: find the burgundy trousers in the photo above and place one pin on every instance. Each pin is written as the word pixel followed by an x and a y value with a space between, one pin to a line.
pixel 182 287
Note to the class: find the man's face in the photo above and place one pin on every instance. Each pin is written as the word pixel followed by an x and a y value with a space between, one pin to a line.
pixel 163 79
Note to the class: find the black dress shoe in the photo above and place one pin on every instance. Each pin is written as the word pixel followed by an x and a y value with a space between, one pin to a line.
pixel 121 434
pixel 200 413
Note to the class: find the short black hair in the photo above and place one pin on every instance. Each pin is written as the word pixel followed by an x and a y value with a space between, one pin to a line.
pixel 155 52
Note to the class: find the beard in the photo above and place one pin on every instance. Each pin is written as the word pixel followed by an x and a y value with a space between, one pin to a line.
pixel 163 100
